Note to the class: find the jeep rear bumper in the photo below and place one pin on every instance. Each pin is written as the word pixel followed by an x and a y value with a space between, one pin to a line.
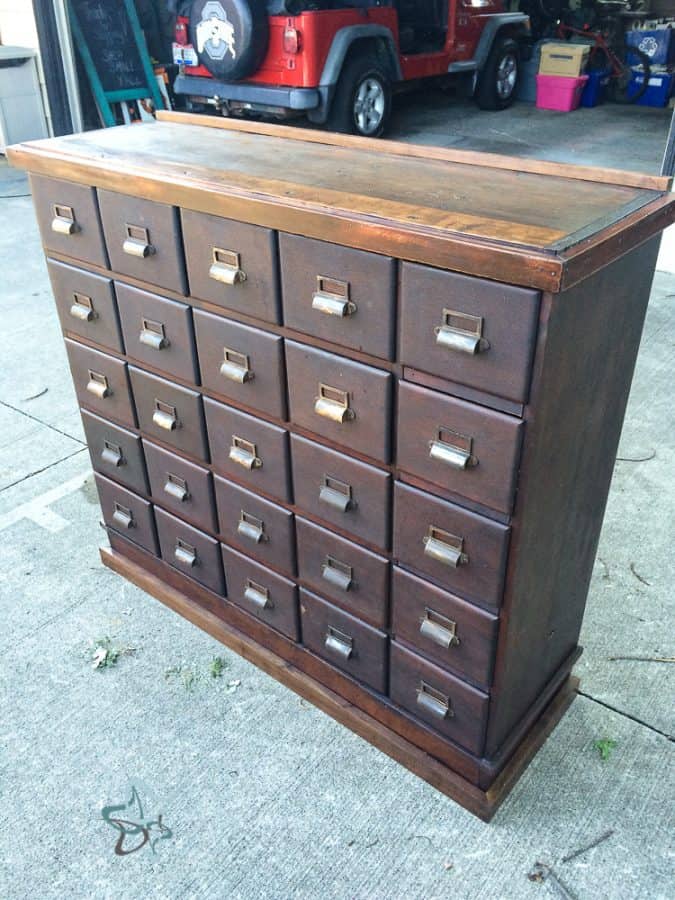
pixel 245 92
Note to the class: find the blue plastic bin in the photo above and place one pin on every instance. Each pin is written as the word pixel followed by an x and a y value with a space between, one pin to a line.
pixel 595 91
pixel 659 45
pixel 658 91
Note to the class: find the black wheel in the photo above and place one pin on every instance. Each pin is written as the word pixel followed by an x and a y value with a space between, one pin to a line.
pixel 638 62
pixel 230 36
pixel 498 80
pixel 362 100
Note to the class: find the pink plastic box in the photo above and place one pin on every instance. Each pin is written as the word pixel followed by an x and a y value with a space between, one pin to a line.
pixel 560 92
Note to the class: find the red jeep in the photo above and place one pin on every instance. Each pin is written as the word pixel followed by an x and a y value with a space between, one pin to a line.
pixel 338 61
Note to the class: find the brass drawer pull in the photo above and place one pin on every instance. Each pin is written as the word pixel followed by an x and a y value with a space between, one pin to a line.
pixel 462 332
pixel 453 449
pixel 176 487
pixel 112 454
pixel 185 554
pixel 333 404
pixel 444 547
pixel 123 516
pixel 332 297
pixel 137 242
pixel 251 528
pixel 257 595
pixel 337 573
pixel 64 221
pixel 98 385
pixel 337 494
pixel 236 366
pixel 153 335
pixel 226 267
pixel 244 453
pixel 83 308
pixel 434 702
pixel 339 643
pixel 438 629
pixel 165 416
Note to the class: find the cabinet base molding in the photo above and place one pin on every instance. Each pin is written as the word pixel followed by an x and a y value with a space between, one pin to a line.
pixel 146 571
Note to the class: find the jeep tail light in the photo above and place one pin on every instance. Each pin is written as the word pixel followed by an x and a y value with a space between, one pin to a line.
pixel 291 40
pixel 181 34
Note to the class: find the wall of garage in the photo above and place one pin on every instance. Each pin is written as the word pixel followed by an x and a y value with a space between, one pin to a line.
pixel 17 28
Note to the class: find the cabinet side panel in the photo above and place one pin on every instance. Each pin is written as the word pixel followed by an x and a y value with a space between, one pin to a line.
pixel 588 344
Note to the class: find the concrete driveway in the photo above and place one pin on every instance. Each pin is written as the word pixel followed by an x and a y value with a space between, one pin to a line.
pixel 259 794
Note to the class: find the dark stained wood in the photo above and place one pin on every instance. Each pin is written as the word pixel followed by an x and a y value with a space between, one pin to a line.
pixel 154 394
pixel 415 602
pixel 101 382
pixel 54 198
pixel 182 486
pixel 86 304
pixel 364 280
pixel 344 641
pixel 258 293
pixel 322 476
pixel 280 610
pixel 190 550
pixel 153 223
pixel 255 526
pixel 589 339
pixel 115 452
pixel 365 391
pixel 144 315
pixel 457 710
pixel 429 424
pixel 126 512
pixel 463 391
pixel 364 588
pixel 508 317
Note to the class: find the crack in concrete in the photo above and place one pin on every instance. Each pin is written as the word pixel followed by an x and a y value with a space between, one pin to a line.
pixel 43 469
pixel 628 715
pixel 23 412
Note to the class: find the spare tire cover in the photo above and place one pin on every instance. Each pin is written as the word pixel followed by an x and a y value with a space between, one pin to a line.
pixel 230 36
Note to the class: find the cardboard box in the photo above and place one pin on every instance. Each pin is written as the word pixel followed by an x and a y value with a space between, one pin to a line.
pixel 564 59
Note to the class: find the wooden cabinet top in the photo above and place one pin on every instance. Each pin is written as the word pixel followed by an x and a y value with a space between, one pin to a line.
pixel 538 224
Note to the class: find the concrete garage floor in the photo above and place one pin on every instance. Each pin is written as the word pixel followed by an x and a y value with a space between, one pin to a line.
pixel 264 796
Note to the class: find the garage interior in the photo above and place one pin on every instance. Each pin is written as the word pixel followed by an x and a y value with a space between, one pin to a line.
pixel 264 795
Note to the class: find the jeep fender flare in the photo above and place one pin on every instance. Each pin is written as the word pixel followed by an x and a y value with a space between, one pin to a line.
pixel 340 47
pixel 493 26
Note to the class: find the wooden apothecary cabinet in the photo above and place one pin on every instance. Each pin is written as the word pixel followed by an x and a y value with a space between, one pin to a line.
pixel 353 409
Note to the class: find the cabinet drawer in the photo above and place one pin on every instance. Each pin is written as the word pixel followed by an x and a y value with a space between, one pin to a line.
pixel 349 494
pixel 269 597
pixel 67 214
pixel 169 412
pixel 352 576
pixel 339 294
pixel 181 485
pixel 459 446
pixel 115 452
pixel 445 629
pixel 460 550
pixel 241 363
pixel 256 526
pixel 101 382
pixel 143 239
pixel 158 332
pixel 344 401
pixel 190 550
pixel 450 706
pixel 478 333
pixel 248 449
pixel 232 264
pixel 86 304
pixel 127 513
pixel 344 641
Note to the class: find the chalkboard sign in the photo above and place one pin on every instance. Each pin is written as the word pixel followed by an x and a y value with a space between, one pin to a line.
pixel 108 36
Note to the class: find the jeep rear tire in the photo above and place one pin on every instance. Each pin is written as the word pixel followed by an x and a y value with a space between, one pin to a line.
pixel 498 81
pixel 362 100
pixel 230 37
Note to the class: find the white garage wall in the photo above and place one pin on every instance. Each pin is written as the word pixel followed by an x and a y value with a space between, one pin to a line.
pixel 17 28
